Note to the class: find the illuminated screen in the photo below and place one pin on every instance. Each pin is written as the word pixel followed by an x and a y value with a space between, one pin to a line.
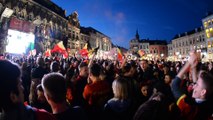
pixel 19 42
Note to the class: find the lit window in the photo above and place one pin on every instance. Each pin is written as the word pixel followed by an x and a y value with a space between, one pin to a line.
pixel 205 24
pixel 209 44
pixel 211 32
pixel 209 22
pixel 207 33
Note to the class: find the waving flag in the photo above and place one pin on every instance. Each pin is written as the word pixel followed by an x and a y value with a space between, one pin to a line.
pixel 59 47
pixel 65 54
pixel 84 52
pixel 119 54
pixel 47 53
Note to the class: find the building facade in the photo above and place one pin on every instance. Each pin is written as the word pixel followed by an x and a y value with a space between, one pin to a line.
pixel 97 39
pixel 153 49
pixel 158 50
pixel 183 43
pixel 48 24
pixel 41 18
pixel 75 42
pixel 208 28
pixel 170 51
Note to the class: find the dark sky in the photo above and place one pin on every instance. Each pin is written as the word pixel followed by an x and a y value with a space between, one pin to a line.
pixel 154 19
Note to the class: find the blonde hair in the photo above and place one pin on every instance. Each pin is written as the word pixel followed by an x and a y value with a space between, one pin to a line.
pixel 120 88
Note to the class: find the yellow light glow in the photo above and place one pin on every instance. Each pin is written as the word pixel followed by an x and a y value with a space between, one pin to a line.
pixel 205 24
pixel 207 33
pixel 209 44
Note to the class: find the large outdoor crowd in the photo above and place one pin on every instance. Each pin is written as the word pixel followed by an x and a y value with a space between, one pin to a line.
pixel 93 89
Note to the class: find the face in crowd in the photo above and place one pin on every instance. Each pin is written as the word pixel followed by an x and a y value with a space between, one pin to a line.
pixel 202 89
pixel 144 65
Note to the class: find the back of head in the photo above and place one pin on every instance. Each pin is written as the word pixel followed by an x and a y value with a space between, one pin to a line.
pixel 9 76
pixel 40 61
pixel 126 68
pixel 95 70
pixel 120 88
pixel 55 66
pixel 82 64
pixel 153 109
pixel 54 86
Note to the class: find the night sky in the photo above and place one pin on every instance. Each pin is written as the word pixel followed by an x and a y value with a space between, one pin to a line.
pixel 154 19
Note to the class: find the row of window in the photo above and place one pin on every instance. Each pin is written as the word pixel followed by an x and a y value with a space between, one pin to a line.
pixel 209 32
pixel 184 51
pixel 210 44
pixel 208 23
pixel 156 51
pixel 143 47
pixel 189 42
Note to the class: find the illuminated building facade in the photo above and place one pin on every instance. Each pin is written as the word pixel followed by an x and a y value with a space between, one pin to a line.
pixel 208 28
pixel 42 18
pixel 158 49
pixel 183 43
pixel 97 39
pixel 170 51
pixel 48 24
pixel 153 49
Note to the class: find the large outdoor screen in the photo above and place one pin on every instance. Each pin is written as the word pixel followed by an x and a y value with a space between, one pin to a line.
pixel 19 42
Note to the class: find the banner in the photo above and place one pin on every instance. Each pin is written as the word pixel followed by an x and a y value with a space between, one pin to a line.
pixel 16 24
pixel 21 25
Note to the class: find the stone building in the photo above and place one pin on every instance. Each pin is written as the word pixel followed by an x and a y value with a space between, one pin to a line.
pixel 158 50
pixel 153 49
pixel 183 43
pixel 208 30
pixel 41 18
pixel 170 52
pixel 97 39
pixel 48 25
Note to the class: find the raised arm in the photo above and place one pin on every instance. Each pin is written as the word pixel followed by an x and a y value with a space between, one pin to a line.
pixel 193 63
pixel 176 89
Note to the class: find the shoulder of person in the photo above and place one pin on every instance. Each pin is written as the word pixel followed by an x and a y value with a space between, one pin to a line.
pixel 42 114
pixel 78 112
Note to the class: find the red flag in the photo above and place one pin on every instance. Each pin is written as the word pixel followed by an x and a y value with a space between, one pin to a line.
pixel 47 53
pixel 119 55
pixel 84 51
pixel 65 54
pixel 59 47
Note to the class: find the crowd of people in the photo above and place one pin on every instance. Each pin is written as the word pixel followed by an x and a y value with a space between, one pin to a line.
pixel 94 89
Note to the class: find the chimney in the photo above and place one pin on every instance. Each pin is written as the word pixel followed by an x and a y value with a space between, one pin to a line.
pixel 196 29
pixel 179 35
pixel 185 33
